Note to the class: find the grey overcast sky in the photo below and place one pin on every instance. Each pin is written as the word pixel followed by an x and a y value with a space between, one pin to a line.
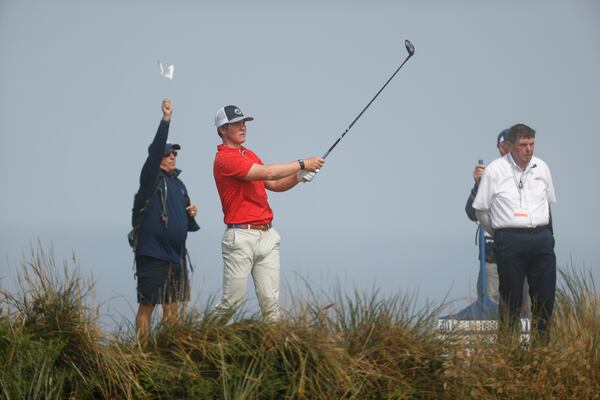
pixel 80 101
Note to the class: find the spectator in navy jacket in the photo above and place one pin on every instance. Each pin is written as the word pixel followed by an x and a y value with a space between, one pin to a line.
pixel 163 214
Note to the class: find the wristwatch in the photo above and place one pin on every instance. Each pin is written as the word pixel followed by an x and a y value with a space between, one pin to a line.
pixel 301 162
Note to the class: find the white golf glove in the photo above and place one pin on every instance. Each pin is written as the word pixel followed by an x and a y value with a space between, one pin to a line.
pixel 305 176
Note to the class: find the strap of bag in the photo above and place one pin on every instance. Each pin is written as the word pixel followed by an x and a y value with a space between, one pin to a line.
pixel 137 218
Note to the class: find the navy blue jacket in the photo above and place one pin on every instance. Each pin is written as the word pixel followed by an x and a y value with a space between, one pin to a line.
pixel 160 237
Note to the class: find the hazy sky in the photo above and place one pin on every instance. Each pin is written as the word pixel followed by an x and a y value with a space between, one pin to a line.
pixel 80 101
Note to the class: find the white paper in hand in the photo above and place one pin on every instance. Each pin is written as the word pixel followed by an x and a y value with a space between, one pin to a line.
pixel 166 71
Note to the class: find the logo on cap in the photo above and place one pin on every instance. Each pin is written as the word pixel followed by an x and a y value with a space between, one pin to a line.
pixel 230 114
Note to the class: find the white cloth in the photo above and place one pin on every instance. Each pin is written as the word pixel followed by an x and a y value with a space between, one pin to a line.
pixel 483 216
pixel 516 198
pixel 166 72
pixel 245 252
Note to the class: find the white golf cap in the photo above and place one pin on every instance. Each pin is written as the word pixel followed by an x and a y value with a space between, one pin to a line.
pixel 230 114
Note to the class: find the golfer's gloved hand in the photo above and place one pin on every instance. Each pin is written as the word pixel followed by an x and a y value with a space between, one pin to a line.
pixel 305 176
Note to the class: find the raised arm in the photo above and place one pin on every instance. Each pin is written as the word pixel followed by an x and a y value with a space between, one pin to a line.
pixel 477 174
pixel 151 168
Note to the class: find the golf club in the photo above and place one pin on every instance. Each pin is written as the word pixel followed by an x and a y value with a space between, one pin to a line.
pixel 411 50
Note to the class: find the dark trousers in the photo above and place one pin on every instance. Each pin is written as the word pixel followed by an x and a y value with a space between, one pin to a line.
pixel 526 253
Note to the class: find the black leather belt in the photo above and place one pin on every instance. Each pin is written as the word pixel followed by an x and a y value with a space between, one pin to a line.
pixel 524 230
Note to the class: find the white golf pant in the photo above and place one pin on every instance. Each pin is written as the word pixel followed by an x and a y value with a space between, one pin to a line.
pixel 250 251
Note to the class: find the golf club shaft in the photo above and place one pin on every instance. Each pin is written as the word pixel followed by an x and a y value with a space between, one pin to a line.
pixel 365 109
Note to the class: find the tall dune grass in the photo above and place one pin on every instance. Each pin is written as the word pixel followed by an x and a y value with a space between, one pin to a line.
pixel 341 346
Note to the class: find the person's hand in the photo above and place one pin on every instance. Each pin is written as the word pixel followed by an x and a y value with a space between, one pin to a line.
pixel 313 164
pixel 167 109
pixel 478 172
pixel 192 210
pixel 305 176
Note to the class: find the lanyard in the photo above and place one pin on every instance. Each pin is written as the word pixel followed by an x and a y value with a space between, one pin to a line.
pixel 520 184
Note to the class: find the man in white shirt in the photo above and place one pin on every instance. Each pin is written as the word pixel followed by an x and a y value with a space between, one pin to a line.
pixel 513 204
pixel 491 277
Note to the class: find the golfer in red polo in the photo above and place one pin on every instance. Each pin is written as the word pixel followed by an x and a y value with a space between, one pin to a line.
pixel 250 243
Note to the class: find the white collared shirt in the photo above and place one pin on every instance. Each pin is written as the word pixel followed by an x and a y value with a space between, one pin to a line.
pixel 516 198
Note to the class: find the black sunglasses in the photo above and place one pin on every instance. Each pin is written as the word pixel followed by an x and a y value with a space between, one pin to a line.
pixel 167 154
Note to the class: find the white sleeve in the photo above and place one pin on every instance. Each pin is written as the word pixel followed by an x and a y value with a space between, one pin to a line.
pixel 483 200
pixel 483 216
pixel 550 190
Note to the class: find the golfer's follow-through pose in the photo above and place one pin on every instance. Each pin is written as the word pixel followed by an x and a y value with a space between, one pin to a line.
pixel 250 244
pixel 162 217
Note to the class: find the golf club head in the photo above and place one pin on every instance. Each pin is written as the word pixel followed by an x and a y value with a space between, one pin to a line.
pixel 409 47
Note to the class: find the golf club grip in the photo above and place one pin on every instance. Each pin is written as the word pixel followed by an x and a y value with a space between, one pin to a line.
pixel 480 161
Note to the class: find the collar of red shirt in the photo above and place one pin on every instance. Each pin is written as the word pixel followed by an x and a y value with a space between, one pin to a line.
pixel 223 147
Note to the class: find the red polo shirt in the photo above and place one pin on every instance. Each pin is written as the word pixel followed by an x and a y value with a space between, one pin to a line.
pixel 244 202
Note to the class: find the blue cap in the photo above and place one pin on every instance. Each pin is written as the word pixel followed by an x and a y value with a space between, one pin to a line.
pixel 503 137
pixel 169 146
